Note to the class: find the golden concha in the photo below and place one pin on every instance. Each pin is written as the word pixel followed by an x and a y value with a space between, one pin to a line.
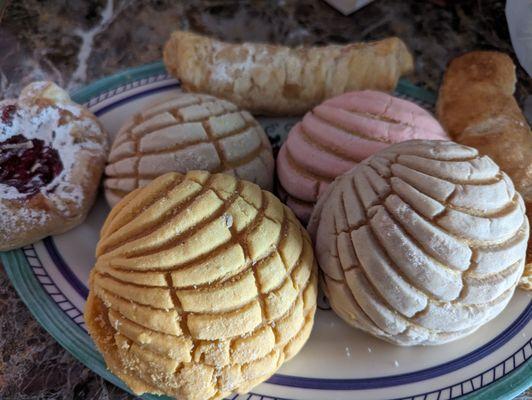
pixel 422 243
pixel 203 286
pixel 188 132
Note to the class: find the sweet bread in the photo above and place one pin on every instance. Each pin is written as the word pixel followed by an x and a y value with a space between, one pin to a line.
pixel 422 243
pixel 52 154
pixel 476 105
pixel 278 80
pixel 184 133
pixel 339 133
pixel 203 286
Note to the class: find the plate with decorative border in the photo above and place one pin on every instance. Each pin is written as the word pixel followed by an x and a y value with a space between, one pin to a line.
pixel 338 362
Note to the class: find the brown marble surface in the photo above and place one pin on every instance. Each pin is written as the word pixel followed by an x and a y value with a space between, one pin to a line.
pixel 75 42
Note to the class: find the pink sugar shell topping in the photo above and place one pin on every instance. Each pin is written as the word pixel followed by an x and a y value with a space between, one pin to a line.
pixel 300 209
pixel 341 132
pixel 337 140
pixel 392 108
pixel 323 163
pixel 301 186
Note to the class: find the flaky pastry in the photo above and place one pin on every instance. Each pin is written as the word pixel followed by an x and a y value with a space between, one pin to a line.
pixel 278 80
pixel 52 154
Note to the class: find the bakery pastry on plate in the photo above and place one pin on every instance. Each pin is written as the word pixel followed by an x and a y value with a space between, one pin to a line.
pixel 476 105
pixel 52 154
pixel 338 134
pixel 422 243
pixel 183 133
pixel 203 286
pixel 277 80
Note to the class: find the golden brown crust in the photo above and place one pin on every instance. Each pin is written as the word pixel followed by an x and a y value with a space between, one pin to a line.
pixel 477 107
pixel 203 285
pixel 278 80
pixel 476 86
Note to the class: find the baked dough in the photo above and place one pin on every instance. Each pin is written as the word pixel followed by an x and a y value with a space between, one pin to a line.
pixel 339 133
pixel 476 105
pixel 52 154
pixel 203 286
pixel 422 243
pixel 277 80
pixel 184 133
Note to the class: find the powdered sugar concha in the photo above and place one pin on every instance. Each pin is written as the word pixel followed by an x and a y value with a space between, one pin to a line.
pixel 341 132
pixel 422 243
pixel 52 154
pixel 188 132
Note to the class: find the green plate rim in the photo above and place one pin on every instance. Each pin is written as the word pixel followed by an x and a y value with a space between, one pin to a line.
pixel 54 320
pixel 68 334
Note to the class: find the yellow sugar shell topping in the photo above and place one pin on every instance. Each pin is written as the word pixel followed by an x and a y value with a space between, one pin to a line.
pixel 203 286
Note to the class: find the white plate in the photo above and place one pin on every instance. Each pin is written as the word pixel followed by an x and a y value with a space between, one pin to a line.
pixel 338 362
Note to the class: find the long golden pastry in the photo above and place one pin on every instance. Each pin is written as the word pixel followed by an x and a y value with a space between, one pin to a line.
pixel 278 80
pixel 477 107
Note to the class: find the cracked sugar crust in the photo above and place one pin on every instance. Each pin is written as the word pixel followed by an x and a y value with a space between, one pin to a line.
pixel 188 132
pixel 278 80
pixel 422 243
pixel 341 132
pixel 44 114
pixel 203 286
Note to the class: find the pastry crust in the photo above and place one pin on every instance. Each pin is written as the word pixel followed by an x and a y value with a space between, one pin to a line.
pixel 421 243
pixel 476 105
pixel 45 112
pixel 188 132
pixel 278 80
pixel 203 286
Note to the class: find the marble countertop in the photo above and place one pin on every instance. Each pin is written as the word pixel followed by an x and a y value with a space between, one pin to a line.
pixel 74 43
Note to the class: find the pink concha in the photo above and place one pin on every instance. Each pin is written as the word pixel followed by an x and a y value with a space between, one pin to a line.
pixel 339 133
pixel 301 208
pixel 385 106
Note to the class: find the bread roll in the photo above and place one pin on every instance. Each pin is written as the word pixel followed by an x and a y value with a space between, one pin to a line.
pixel 203 286
pixel 278 80
pixel 422 243
pixel 477 107
pixel 184 133
pixel 339 133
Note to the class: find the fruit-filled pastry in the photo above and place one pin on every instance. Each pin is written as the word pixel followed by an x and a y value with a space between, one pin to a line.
pixel 52 154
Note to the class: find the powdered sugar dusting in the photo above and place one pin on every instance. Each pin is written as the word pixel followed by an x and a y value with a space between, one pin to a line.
pixel 225 70
pixel 33 89
pixel 444 266
pixel 11 218
pixel 348 352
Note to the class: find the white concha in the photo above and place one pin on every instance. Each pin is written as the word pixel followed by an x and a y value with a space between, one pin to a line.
pixel 188 132
pixel 422 243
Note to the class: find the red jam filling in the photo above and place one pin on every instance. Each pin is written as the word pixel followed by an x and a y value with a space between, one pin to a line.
pixel 28 164
pixel 7 114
